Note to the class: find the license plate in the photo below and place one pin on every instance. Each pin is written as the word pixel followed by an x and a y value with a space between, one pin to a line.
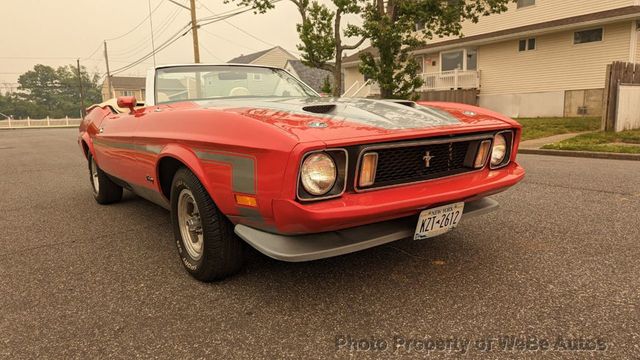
pixel 437 221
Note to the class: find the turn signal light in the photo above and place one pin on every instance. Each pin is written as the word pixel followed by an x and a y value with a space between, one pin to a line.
pixel 483 153
pixel 246 200
pixel 368 169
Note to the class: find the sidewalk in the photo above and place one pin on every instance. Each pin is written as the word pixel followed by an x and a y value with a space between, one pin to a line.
pixel 539 143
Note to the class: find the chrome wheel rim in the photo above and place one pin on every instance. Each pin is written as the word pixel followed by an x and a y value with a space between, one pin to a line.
pixel 95 182
pixel 190 224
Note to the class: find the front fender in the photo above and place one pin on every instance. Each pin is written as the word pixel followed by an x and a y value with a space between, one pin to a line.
pixel 187 157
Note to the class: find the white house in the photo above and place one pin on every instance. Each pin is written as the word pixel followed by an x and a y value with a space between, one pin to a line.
pixel 540 58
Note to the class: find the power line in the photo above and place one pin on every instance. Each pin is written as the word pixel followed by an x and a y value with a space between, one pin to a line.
pixel 93 53
pixel 179 34
pixel 139 46
pixel 139 24
pixel 228 40
pixel 163 46
pixel 211 53
pixel 251 35
pixel 240 29
pixel 224 16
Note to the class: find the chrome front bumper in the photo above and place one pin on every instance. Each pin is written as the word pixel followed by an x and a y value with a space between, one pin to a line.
pixel 298 248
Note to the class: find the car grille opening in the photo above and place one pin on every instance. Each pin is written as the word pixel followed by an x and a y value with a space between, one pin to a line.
pixel 399 164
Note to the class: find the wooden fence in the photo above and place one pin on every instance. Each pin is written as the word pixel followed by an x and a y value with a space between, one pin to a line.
pixel 469 96
pixel 618 73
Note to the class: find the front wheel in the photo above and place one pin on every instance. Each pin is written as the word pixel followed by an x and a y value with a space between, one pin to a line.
pixel 206 243
pixel 105 191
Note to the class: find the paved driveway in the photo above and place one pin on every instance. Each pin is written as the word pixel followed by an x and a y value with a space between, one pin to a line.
pixel 559 262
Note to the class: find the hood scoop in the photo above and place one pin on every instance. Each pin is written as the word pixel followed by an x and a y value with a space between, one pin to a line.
pixel 320 108
pixel 408 103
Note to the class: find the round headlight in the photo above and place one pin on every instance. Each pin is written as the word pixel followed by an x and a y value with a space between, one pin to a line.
pixel 499 150
pixel 318 174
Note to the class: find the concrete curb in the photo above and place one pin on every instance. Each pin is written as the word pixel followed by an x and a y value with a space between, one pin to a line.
pixel 41 127
pixel 581 154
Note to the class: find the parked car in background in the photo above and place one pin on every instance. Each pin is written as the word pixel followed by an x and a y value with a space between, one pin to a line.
pixel 250 154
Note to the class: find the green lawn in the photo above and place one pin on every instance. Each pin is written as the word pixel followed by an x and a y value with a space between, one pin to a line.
pixel 543 127
pixel 622 142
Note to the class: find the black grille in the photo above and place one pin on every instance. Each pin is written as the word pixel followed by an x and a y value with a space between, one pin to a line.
pixel 399 165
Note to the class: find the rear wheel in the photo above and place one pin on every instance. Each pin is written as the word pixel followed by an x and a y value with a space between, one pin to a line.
pixel 105 191
pixel 206 243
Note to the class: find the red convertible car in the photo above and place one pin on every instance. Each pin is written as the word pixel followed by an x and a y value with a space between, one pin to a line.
pixel 250 154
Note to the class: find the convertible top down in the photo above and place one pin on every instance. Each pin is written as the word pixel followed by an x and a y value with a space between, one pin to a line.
pixel 251 154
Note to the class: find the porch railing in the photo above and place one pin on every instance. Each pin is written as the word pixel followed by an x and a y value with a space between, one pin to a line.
pixel 451 80
pixel 446 80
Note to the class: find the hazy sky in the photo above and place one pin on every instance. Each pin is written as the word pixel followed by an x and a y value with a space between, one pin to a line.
pixel 56 32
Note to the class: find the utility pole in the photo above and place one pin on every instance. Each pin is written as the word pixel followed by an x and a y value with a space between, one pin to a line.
pixel 194 32
pixel 81 91
pixel 106 59
pixel 194 28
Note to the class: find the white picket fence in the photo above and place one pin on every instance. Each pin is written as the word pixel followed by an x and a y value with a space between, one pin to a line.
pixel 38 123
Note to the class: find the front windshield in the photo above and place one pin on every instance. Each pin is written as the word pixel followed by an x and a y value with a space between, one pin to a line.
pixel 221 81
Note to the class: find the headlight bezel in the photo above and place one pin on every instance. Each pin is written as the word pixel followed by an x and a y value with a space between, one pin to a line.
pixel 340 158
pixel 508 139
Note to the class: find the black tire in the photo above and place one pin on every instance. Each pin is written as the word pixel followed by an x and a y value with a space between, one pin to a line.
pixel 221 254
pixel 106 191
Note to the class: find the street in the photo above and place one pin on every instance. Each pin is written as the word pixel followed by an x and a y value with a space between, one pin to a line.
pixel 558 262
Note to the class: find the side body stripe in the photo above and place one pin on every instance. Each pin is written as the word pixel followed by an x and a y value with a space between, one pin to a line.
pixel 243 169
pixel 153 149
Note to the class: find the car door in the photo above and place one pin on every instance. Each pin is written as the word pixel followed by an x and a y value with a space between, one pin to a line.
pixel 149 139
pixel 114 146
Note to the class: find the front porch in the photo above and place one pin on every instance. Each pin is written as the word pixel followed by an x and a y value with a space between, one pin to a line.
pixel 445 80
pixel 439 81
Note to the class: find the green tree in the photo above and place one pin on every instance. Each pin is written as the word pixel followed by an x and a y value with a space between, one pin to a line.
pixel 45 91
pixel 326 86
pixel 390 25
pixel 12 104
pixel 321 33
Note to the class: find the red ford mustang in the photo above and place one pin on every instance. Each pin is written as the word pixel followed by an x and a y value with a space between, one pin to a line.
pixel 244 153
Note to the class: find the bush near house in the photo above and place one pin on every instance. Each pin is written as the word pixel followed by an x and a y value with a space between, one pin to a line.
pixel 622 142
pixel 544 127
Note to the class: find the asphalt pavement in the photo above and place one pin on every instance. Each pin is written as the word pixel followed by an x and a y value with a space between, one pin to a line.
pixel 558 265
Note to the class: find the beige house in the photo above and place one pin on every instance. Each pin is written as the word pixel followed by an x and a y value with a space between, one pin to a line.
pixel 124 86
pixel 275 56
pixel 540 58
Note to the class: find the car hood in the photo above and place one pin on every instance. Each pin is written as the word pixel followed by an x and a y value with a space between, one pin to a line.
pixel 329 119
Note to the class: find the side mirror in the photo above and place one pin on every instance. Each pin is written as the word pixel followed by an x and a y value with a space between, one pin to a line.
pixel 127 102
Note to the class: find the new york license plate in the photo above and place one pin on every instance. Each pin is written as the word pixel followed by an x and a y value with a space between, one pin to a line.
pixel 437 221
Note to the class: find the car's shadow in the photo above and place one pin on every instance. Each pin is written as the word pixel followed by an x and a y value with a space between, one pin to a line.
pixel 402 262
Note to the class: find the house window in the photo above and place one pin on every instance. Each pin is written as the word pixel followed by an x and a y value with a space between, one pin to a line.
pixel 127 93
pixel 525 3
pixel 587 36
pixel 527 44
pixel 420 62
pixel 472 59
pixel 453 60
